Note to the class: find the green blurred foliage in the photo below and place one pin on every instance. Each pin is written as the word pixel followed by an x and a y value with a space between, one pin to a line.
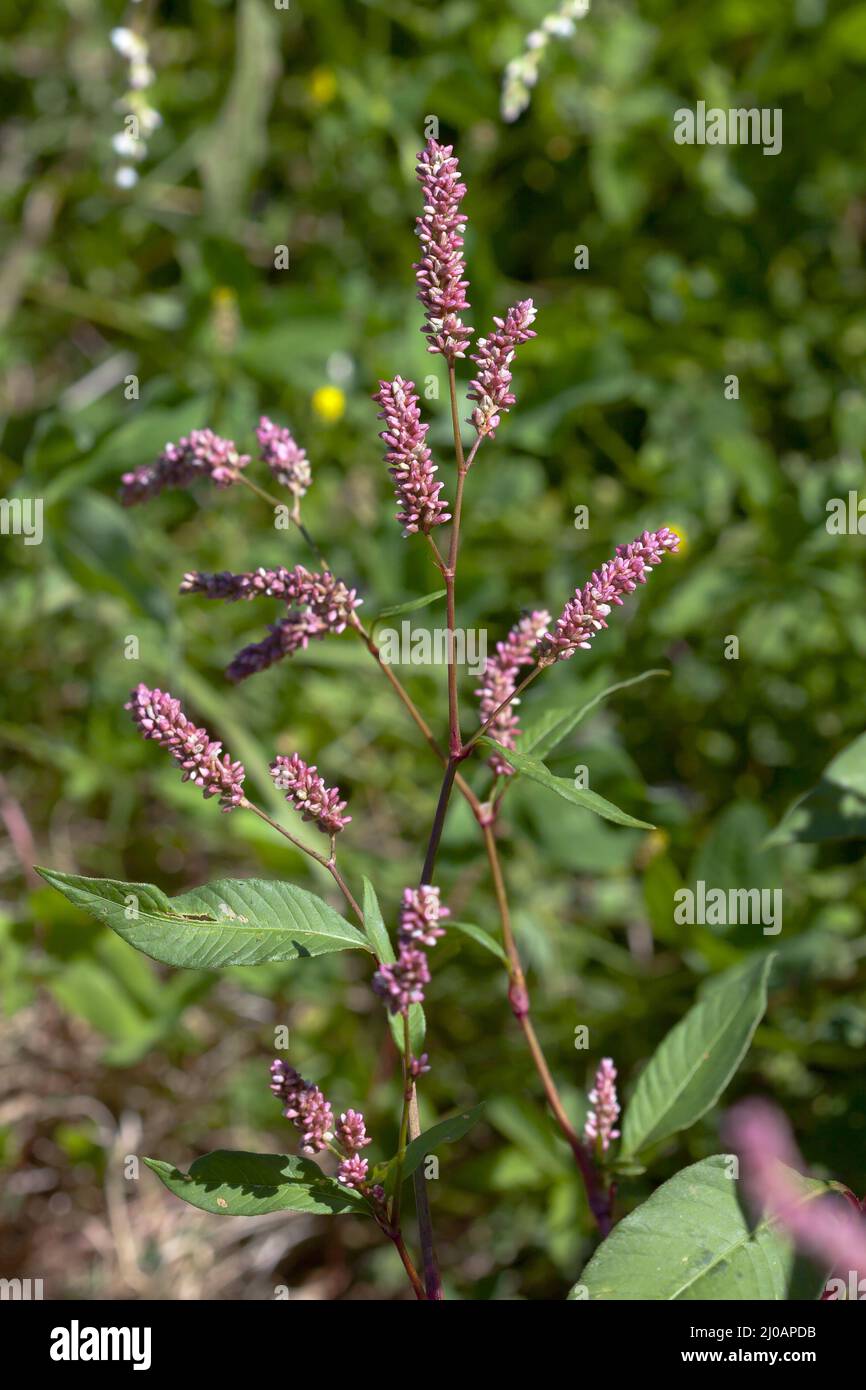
pixel 299 127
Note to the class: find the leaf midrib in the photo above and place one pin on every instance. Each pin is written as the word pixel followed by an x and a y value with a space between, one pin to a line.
pixel 648 1138
pixel 765 1225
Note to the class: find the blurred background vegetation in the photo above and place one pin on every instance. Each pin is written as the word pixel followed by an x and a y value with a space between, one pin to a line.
pixel 300 127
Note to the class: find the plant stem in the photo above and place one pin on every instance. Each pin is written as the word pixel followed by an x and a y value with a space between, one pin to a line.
pixel 438 821
pixel 432 1279
pixel 294 515
pixel 509 699
pixel 326 863
pixel 414 1278
pixel 518 996
pixel 404 1125
pixel 450 573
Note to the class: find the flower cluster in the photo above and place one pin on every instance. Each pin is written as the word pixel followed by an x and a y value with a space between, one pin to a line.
pixel 305 1106
pixel 500 681
pixel 285 458
pixel 202 454
pixel 490 388
pixel 160 717
pixel 318 604
pixel 140 119
pixel 326 596
pixel 411 466
pixel 402 983
pixel 284 638
pixel 441 288
pixel 604 1113
pixel 306 791
pixel 521 74
pixel 311 1113
pixel 584 615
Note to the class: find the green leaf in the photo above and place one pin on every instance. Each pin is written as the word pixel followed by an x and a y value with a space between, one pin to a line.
pixel 552 726
pixel 410 606
pixel 229 922
pixel 590 801
pixel 693 1065
pixel 231 1183
pixel 381 942
pixel 835 809
pixel 377 932
pixel 692 1240
pixel 417 1030
pixel 482 937
pixel 445 1132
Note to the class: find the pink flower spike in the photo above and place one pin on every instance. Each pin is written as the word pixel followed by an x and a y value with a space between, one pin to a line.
pixel 420 916
pixel 317 604
pixel 306 791
pixel 411 466
pixel 305 1106
pixel 160 717
pixel 604 1113
pixel 352 1172
pixel 441 288
pixel 352 1132
pixel 585 614
pixel 493 358
pixel 202 454
pixel 500 679
pixel 402 983
pixel 285 458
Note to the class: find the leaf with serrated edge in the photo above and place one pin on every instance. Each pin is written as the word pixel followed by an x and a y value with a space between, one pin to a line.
pixel 692 1240
pixel 229 922
pixel 587 800
pixel 694 1063
pixel 233 1183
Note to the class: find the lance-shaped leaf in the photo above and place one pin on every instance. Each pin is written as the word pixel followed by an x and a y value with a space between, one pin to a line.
pixel 230 922
pixel 231 1183
pixel 695 1062
pixel 578 796
pixel 411 605
pixel 445 1132
pixel 381 942
pixel 833 810
pixel 692 1239
pixel 482 937
pixel 374 924
pixel 551 726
